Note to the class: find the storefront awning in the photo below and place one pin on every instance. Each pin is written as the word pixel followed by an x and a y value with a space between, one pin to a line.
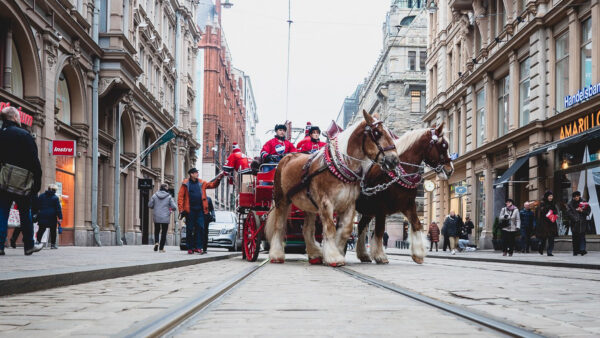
pixel 587 135
pixel 512 170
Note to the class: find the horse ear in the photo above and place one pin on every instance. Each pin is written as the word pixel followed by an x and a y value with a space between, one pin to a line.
pixel 367 117
pixel 439 130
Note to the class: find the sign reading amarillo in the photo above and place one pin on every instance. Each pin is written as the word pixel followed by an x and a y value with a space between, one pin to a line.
pixel 63 148
pixel 580 125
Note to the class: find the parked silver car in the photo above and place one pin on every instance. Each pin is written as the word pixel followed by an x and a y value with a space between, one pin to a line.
pixel 223 232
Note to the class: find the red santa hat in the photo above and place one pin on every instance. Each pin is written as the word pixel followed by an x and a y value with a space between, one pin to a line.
pixel 307 128
pixel 235 145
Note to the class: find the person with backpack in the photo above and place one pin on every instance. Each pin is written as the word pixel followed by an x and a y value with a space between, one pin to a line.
pixel 162 205
pixel 510 223
pixel 20 177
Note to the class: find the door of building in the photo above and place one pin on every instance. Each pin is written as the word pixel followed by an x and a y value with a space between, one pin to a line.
pixel 144 214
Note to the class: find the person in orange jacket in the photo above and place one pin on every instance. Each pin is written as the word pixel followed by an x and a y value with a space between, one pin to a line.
pixel 313 143
pixel 237 161
pixel 192 203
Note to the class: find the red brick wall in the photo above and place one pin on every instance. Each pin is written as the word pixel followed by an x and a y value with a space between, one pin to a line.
pixel 224 111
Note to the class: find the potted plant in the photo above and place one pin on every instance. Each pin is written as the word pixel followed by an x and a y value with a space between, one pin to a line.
pixel 496 235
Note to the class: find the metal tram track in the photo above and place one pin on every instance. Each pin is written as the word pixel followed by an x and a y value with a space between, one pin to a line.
pixel 165 324
pixel 487 322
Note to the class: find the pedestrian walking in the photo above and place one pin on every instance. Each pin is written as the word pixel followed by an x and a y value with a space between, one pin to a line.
pixel 49 214
pixel 210 217
pixel 469 226
pixel 434 236
pixel 20 176
pixel 193 205
pixel 452 226
pixel 386 237
pixel 528 225
pixel 404 244
pixel 510 223
pixel 578 211
pixel 547 228
pixel 162 205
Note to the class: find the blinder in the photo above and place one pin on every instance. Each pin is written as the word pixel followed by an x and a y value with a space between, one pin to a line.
pixel 375 135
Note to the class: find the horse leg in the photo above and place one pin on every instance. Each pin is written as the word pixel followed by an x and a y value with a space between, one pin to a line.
pixel 377 251
pixel 361 249
pixel 417 236
pixel 331 254
pixel 275 231
pixel 346 222
pixel 314 253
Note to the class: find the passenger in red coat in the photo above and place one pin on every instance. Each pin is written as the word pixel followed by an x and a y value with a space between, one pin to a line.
pixel 312 143
pixel 274 150
pixel 237 161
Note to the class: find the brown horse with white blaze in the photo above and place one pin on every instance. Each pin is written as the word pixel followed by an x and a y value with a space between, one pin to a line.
pixel 326 183
pixel 414 147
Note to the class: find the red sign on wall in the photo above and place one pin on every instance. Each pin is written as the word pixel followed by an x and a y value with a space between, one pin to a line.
pixel 63 148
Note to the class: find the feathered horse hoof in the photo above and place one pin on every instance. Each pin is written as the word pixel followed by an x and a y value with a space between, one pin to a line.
pixel 316 261
pixel 277 261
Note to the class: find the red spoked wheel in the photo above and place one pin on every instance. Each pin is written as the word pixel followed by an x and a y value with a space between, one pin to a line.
pixel 251 241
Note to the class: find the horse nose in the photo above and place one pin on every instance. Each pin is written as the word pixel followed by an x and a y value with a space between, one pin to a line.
pixel 391 162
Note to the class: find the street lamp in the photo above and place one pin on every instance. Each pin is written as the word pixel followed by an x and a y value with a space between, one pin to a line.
pixel 227 4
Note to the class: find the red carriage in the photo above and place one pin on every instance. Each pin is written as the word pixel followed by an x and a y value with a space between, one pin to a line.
pixel 254 203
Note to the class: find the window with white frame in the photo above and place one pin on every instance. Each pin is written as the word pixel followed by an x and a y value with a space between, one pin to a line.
pixel 586 53
pixel 503 105
pixel 561 70
pixel 480 106
pixel 524 92
pixel 412 60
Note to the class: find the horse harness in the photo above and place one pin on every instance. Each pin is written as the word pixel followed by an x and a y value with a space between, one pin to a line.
pixel 443 160
pixel 373 133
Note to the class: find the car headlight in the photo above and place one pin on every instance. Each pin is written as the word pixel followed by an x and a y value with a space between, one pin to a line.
pixel 227 231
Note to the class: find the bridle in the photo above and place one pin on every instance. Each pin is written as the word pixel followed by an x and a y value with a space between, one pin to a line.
pixel 439 166
pixel 373 133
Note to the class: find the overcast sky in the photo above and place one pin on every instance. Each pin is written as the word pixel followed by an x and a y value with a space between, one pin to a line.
pixel 334 45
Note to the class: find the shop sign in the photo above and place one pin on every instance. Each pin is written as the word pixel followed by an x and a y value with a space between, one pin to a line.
pixel 460 190
pixel 63 148
pixel 580 125
pixel 145 184
pixel 582 95
pixel 26 119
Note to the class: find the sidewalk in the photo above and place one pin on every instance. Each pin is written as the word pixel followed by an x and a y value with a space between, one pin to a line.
pixel 74 265
pixel 560 259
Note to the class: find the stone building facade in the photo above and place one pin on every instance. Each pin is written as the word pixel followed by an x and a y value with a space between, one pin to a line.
pixel 500 74
pixel 395 89
pixel 112 76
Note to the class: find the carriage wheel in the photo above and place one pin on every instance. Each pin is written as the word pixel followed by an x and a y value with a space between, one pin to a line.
pixel 252 236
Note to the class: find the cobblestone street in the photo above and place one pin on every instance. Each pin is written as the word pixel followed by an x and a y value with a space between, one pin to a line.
pixel 296 299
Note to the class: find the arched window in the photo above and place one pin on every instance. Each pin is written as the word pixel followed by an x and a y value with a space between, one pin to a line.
pixel 63 99
pixel 17 73
pixel 147 142
pixel 407 20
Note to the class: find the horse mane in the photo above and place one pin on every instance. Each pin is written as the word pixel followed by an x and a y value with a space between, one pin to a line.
pixel 344 136
pixel 408 139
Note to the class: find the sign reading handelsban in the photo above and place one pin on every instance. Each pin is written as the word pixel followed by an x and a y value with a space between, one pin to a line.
pixel 63 148
pixel 582 95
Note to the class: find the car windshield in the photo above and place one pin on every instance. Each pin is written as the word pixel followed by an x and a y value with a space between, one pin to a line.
pixel 224 217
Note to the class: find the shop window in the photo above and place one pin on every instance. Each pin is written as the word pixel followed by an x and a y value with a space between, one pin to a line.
pixel 480 117
pixel 524 92
pixel 458 202
pixel 586 53
pixel 503 110
pixel 562 70
pixel 63 99
pixel 412 60
pixel 65 181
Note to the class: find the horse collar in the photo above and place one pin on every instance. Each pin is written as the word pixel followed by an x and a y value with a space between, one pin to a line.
pixel 336 165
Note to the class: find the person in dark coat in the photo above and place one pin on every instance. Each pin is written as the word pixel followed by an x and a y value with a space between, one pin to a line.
pixel 210 217
pixel 386 237
pixel 18 149
pixel 452 225
pixel 528 225
pixel 578 210
pixel 469 226
pixel 49 212
pixel 434 236
pixel 547 228
pixel 404 243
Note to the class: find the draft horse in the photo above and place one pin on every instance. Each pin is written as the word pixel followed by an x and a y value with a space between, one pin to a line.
pixel 325 183
pixel 414 147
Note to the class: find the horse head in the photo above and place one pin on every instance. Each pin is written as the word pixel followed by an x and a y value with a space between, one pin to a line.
pixel 437 154
pixel 377 143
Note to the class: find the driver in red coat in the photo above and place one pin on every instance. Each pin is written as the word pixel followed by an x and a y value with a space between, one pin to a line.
pixel 274 150
pixel 313 144
pixel 236 161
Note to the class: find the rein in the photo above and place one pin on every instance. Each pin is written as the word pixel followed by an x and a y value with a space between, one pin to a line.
pixel 371 130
